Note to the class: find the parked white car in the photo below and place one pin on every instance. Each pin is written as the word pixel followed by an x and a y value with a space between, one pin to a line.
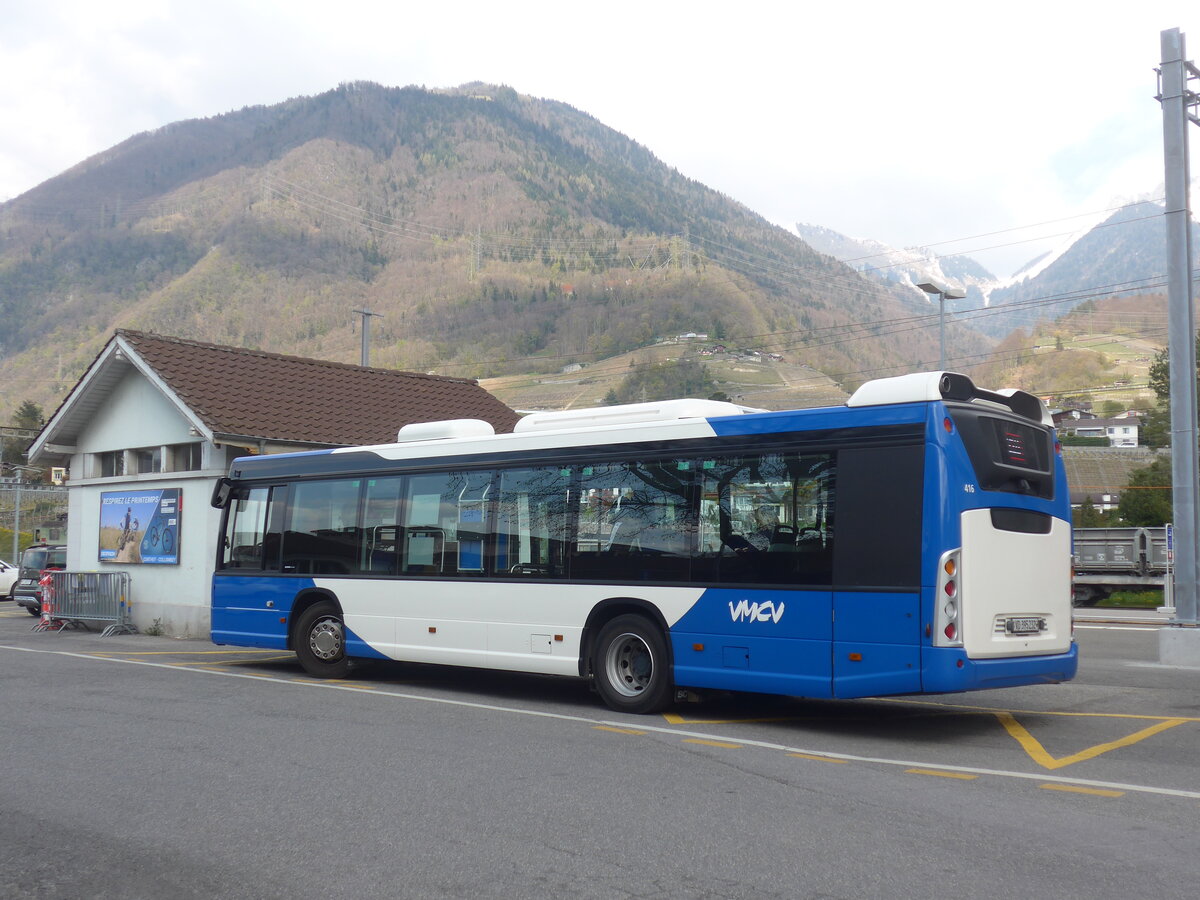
pixel 8 577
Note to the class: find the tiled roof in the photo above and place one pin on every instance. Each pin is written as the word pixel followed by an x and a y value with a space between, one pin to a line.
pixel 236 391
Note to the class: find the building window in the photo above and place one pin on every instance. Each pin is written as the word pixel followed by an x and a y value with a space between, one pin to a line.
pixel 112 464
pixel 149 460
pixel 186 457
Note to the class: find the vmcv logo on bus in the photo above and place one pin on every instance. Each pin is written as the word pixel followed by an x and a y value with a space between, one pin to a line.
pixel 745 611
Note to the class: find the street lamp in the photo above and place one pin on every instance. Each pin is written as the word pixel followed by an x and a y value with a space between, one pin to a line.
pixel 944 293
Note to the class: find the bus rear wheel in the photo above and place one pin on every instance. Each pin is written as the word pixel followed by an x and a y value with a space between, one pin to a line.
pixel 321 641
pixel 630 666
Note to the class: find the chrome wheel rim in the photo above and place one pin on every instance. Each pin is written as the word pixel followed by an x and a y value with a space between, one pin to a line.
pixel 326 640
pixel 629 665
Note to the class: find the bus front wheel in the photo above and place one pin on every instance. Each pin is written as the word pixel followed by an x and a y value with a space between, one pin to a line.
pixel 321 641
pixel 630 666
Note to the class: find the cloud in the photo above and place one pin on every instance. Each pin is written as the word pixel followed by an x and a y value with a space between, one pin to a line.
pixel 909 123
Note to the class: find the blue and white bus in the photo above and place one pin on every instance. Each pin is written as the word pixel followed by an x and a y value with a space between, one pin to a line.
pixel 915 540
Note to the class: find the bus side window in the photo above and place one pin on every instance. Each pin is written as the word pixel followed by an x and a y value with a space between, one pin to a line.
pixel 445 523
pixel 635 521
pixel 380 531
pixel 246 529
pixel 767 519
pixel 322 531
pixel 531 522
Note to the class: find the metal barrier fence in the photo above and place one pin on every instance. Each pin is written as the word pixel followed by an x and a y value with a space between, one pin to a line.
pixel 76 598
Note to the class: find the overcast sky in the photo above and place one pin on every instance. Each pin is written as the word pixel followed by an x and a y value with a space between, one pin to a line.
pixel 911 123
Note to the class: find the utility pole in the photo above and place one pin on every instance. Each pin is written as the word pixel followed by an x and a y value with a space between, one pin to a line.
pixel 476 259
pixel 366 314
pixel 1181 643
pixel 19 472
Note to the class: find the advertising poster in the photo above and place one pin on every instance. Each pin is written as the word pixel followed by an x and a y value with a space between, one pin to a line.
pixel 140 527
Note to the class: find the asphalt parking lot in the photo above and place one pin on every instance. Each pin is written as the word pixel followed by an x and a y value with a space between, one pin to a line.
pixel 154 767
pixel 1098 733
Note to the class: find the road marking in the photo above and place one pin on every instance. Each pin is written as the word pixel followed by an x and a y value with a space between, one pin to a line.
pixel 592 721
pixel 1095 792
pixel 819 758
pixel 941 774
pixel 617 730
pixel 238 652
pixel 709 742
pixel 1038 753
pixel 992 710
pixel 287 657
pixel 676 719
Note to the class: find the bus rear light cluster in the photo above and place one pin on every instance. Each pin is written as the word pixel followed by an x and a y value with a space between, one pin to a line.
pixel 948 631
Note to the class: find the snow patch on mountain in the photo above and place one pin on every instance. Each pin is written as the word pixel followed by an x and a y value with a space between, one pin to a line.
pixel 907 267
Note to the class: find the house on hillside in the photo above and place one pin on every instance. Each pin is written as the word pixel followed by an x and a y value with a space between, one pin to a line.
pixel 156 420
pixel 1069 416
pixel 1120 432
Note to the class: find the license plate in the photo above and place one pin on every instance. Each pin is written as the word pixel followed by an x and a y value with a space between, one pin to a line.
pixel 1027 625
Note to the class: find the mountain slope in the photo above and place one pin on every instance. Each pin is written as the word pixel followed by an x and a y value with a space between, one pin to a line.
pixel 1124 254
pixel 494 233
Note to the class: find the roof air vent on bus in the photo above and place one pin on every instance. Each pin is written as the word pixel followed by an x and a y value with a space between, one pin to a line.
pixel 915 388
pixel 629 414
pixel 448 428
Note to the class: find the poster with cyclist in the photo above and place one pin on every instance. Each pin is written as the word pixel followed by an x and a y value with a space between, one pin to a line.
pixel 140 527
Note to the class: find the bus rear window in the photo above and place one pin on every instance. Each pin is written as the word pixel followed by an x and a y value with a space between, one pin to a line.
pixel 1018 445
pixel 1007 454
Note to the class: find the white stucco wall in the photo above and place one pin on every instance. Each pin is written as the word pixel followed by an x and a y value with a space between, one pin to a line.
pixel 136 414
pixel 173 597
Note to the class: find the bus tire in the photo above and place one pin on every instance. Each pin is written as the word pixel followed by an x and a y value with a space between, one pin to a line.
pixel 630 667
pixel 321 641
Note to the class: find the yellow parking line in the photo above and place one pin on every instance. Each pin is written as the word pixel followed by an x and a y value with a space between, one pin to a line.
pixel 1074 789
pixel 617 730
pixel 677 719
pixel 724 744
pixel 818 758
pixel 991 710
pixel 1039 755
pixel 939 774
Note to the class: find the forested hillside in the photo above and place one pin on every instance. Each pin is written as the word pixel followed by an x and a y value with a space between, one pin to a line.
pixel 493 233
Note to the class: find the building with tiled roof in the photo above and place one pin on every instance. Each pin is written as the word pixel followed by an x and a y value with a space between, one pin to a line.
pixel 268 401
pixel 156 420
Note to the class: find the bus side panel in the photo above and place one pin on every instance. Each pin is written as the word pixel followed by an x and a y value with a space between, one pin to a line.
pixel 240 615
pixel 767 641
pixel 517 626
pixel 876 647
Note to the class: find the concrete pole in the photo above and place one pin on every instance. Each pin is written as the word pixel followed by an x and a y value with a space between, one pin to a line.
pixel 365 350
pixel 1181 322
pixel 16 560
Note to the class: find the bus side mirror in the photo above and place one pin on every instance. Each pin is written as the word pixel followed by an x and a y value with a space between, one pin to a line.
pixel 221 491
